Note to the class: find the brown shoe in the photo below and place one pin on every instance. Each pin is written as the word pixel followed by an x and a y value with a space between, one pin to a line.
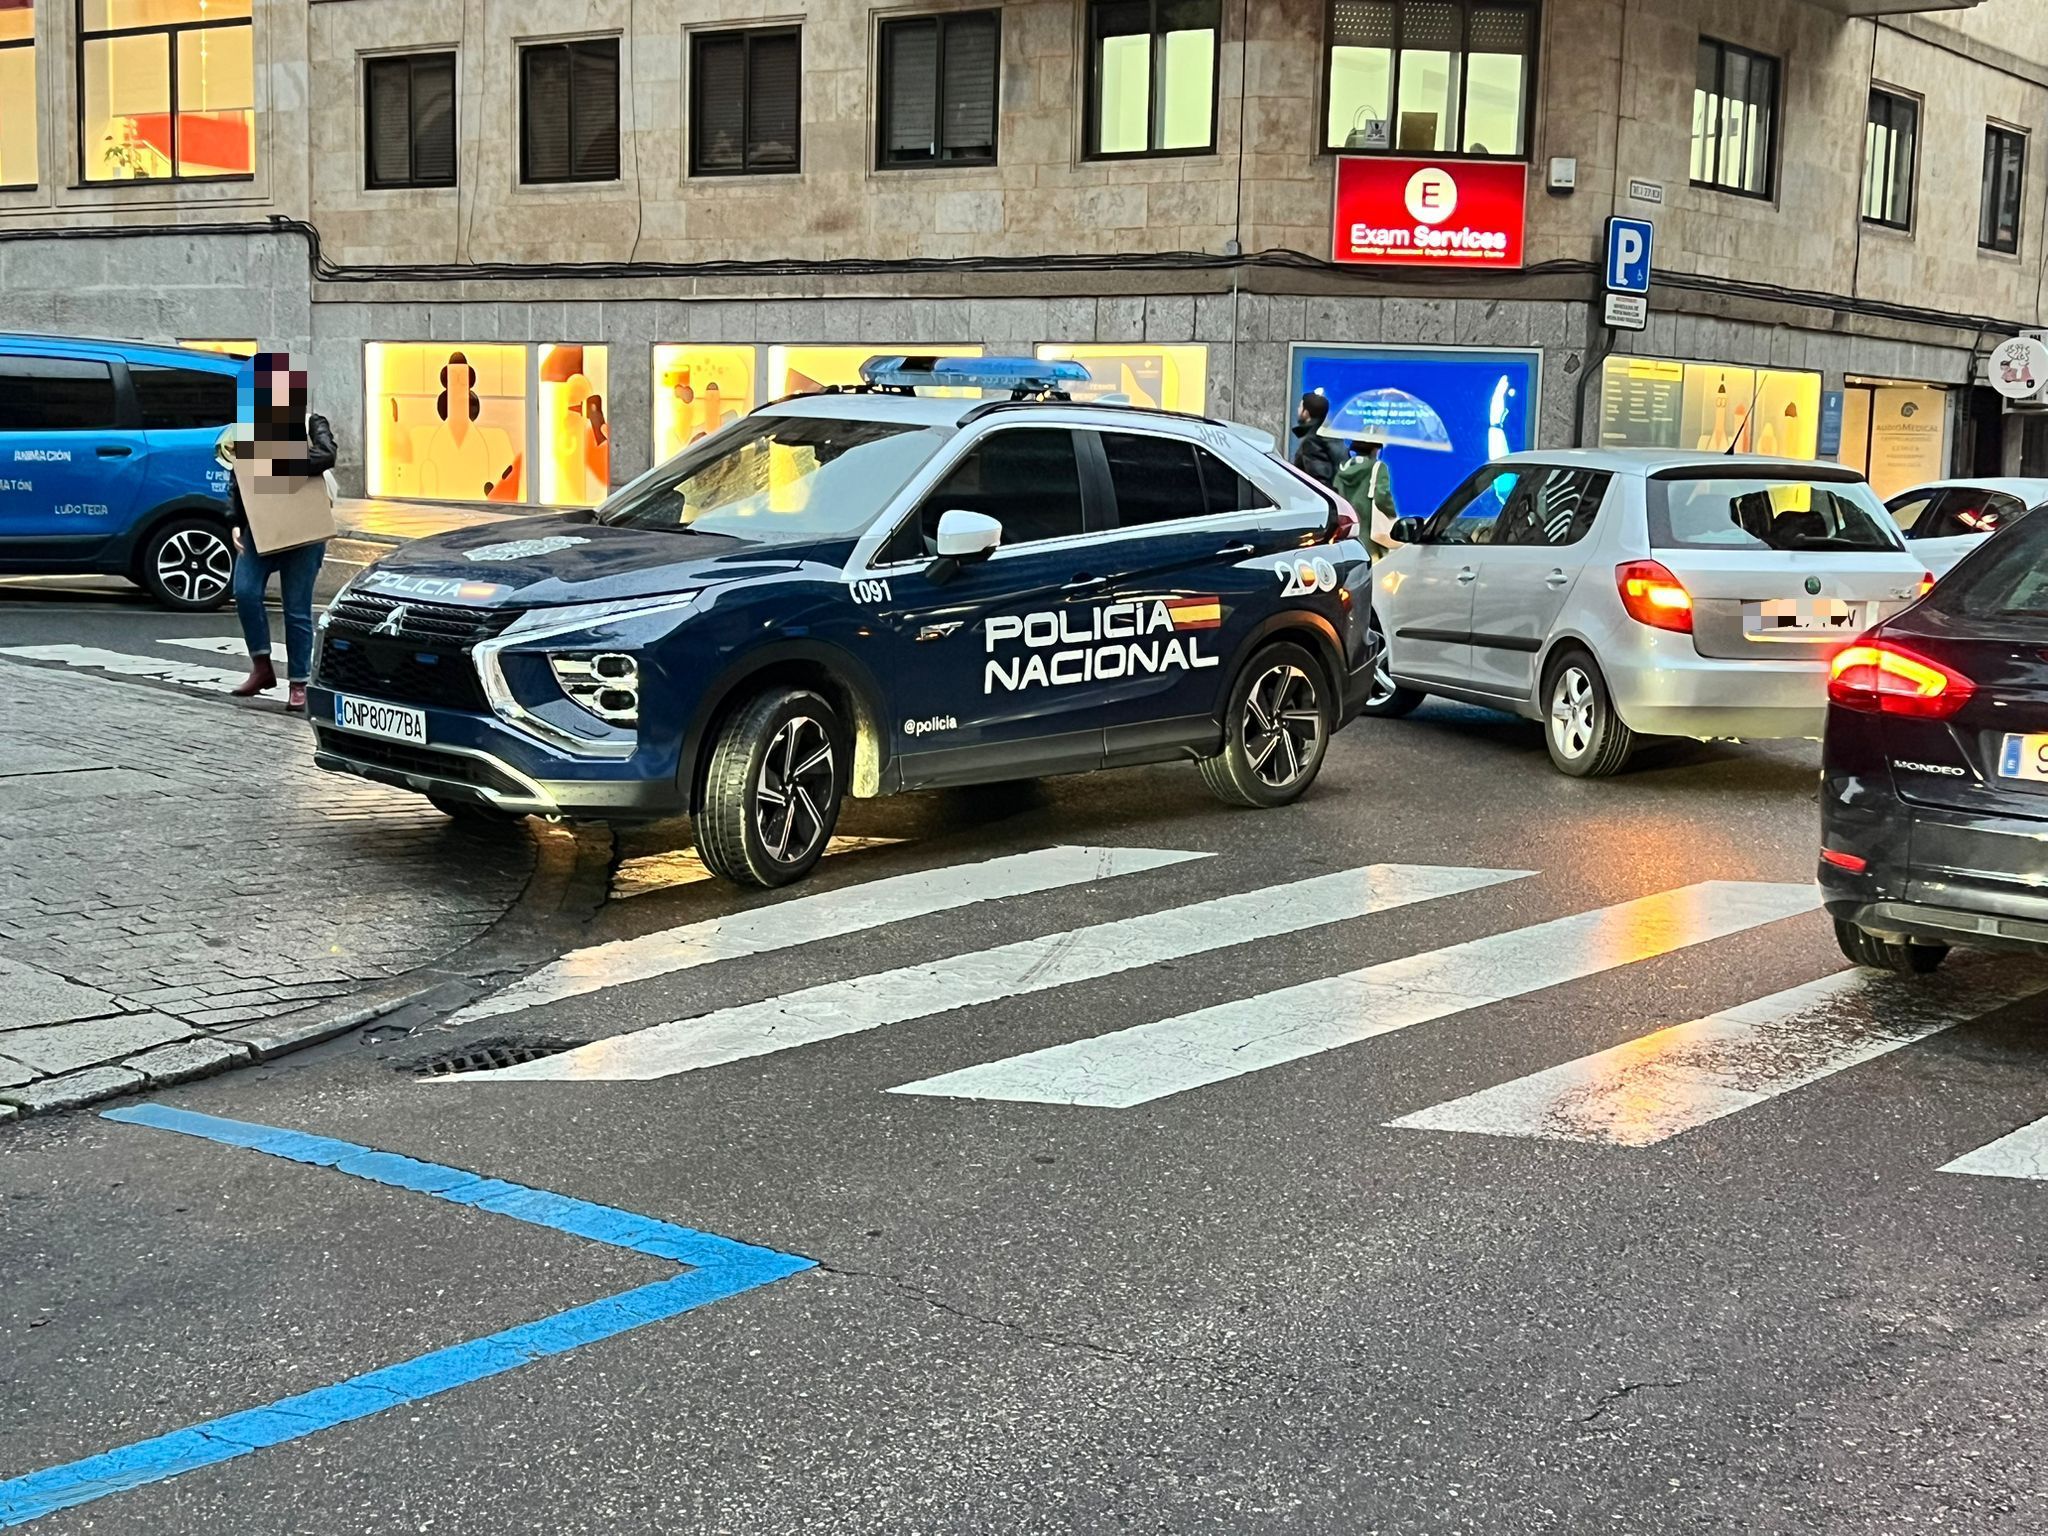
pixel 261 679
pixel 295 698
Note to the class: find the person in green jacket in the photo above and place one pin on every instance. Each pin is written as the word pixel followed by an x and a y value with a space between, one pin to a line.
pixel 1367 483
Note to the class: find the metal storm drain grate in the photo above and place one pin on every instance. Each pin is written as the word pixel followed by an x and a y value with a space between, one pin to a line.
pixel 487 1055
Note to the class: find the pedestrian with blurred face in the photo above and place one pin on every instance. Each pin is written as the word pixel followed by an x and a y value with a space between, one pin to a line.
pixel 1314 454
pixel 281 434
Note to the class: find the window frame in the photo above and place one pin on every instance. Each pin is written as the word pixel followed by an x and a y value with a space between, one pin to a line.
pixel 123 416
pixel 1527 128
pixel 1895 100
pixel 1091 91
pixel 1998 135
pixel 412 61
pixel 568 46
pixel 1468 491
pixel 1723 50
pixel 12 45
pixel 170 32
pixel 1586 509
pixel 749 36
pixel 939 21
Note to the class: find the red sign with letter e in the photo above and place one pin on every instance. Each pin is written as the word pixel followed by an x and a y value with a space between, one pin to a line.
pixel 1421 213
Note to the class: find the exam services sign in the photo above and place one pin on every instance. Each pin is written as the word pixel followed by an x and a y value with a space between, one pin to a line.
pixel 1414 213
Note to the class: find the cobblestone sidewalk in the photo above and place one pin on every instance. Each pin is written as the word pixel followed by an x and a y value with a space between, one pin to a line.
pixel 175 876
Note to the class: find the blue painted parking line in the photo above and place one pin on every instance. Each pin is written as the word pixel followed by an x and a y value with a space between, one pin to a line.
pixel 718 1267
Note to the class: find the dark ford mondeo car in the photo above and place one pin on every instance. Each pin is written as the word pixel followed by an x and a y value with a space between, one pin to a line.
pixel 861 593
pixel 1934 803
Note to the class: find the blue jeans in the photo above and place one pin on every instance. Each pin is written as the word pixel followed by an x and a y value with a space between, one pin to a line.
pixel 295 570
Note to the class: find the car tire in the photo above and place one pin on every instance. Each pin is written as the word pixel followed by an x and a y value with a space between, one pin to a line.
pixel 1384 698
pixel 1867 949
pixel 473 811
pixel 1585 737
pixel 187 565
pixel 772 793
pixel 1276 729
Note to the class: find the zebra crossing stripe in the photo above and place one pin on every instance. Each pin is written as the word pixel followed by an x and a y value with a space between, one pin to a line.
pixel 827 915
pixel 158 669
pixel 1153 1061
pixel 991 975
pixel 1651 1089
pixel 2020 1155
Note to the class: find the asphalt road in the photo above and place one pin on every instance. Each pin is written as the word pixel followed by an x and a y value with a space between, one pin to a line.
pixel 1712 1281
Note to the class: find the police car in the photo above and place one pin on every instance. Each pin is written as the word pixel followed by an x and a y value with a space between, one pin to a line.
pixel 864 592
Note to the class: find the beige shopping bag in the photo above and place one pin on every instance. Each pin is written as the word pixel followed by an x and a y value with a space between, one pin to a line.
pixel 284 511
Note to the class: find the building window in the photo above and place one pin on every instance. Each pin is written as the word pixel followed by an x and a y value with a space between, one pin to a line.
pixel 409 121
pixel 167 90
pixel 569 112
pixel 939 89
pixel 1891 138
pixel 1428 76
pixel 18 166
pixel 2005 171
pixel 1735 120
pixel 746 102
pixel 1151 77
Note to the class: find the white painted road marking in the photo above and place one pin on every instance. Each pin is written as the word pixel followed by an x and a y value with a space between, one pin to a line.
pixel 1649 1090
pixel 987 976
pixel 121 664
pixel 651 872
pixel 804 919
pixel 1152 1061
pixel 2021 1155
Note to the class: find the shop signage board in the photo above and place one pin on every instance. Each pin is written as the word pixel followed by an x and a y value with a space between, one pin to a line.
pixel 2018 367
pixel 1425 213
pixel 1831 405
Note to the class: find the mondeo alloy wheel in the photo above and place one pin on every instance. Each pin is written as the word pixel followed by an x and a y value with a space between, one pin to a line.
pixel 188 565
pixel 795 783
pixel 1283 725
pixel 1276 729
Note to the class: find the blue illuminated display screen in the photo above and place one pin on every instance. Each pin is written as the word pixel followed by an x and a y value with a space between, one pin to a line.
pixel 1476 405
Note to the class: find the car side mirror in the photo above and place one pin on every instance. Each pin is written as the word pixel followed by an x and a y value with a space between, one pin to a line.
pixel 966 536
pixel 1406 530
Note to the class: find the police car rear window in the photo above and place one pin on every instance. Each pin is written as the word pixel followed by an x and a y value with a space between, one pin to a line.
pixel 780 478
pixel 1784 514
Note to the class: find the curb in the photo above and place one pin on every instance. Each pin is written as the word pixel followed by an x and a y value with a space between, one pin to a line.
pixel 571 875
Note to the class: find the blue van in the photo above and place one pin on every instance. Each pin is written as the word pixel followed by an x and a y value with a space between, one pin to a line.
pixel 107 465
pixel 858 593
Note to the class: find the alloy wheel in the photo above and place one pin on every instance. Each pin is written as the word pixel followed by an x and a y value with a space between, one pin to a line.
pixel 1283 724
pixel 1574 710
pixel 194 565
pixel 793 789
pixel 1382 689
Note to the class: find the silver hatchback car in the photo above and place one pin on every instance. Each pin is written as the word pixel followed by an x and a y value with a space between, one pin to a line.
pixel 1617 595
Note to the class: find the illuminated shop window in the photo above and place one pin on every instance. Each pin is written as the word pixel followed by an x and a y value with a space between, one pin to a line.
pixel 573 457
pixel 224 348
pixel 697 390
pixel 168 89
pixel 447 421
pixel 18 93
pixel 1655 402
pixel 793 370
pixel 1174 378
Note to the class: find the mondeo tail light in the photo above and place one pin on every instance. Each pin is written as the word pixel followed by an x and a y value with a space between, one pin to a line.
pixel 1653 596
pixel 1879 678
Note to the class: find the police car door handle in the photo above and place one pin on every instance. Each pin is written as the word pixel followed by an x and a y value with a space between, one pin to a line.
pixel 1233 552
pixel 1085 583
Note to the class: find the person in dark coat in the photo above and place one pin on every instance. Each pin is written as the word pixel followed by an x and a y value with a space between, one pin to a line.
pixel 1314 454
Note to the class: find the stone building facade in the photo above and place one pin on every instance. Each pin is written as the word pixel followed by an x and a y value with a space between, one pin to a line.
pixel 1204 274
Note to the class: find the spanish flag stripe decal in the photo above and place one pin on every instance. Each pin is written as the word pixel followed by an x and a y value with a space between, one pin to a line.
pixel 1195 612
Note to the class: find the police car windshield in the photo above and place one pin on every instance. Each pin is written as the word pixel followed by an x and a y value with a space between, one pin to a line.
pixel 772 477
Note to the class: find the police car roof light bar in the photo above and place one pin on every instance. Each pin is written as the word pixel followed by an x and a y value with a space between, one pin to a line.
pixel 1024 377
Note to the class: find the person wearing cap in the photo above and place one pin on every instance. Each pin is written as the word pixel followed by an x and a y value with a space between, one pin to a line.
pixel 1314 455
pixel 1364 480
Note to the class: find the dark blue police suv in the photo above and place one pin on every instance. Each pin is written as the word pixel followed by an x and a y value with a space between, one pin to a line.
pixel 860 593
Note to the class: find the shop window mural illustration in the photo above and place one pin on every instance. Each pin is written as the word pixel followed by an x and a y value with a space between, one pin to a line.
pixel 446 422
pixel 574 452
pixel 697 390
pixel 1173 378
pixel 1655 402
pixel 797 370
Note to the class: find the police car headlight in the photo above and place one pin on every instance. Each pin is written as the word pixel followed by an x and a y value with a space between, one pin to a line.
pixel 606 683
pixel 561 621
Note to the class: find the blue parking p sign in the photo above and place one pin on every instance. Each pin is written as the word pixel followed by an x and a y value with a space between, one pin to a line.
pixel 1629 243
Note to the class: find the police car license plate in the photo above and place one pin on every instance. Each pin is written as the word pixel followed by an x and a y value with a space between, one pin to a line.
pixel 394 722
pixel 2024 757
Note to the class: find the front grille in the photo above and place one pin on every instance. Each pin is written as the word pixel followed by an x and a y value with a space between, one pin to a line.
pixel 403 757
pixel 441 625
pixel 400 673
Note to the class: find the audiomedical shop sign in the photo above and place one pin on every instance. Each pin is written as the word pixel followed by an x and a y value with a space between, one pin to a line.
pixel 1429 213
